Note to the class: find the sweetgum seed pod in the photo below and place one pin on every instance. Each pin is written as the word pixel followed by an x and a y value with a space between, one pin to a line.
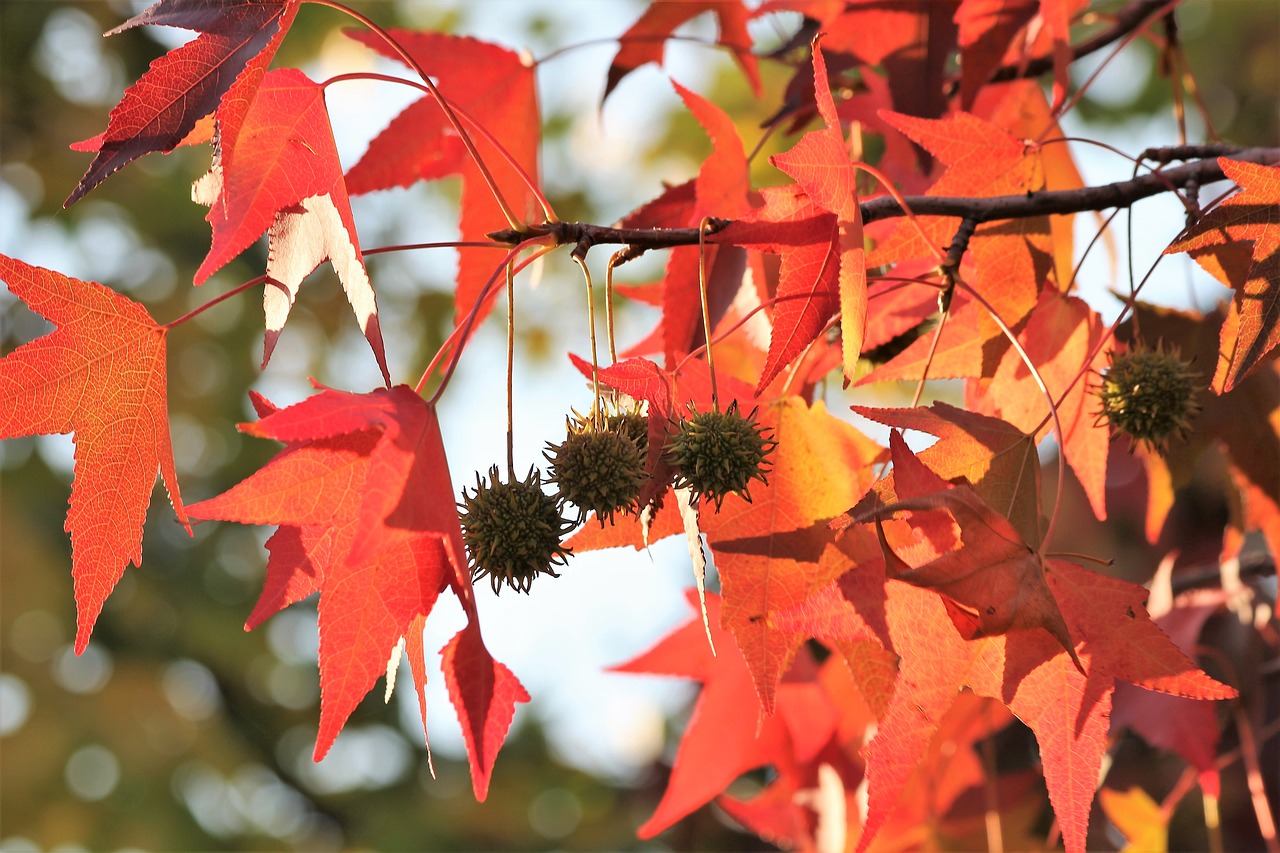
pixel 513 530
pixel 719 453
pixel 1149 395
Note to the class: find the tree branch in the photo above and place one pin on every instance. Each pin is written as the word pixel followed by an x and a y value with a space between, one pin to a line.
pixel 1102 197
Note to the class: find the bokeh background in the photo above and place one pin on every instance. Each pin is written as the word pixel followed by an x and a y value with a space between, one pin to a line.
pixel 176 730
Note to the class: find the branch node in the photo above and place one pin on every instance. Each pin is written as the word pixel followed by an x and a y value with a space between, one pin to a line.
pixel 950 265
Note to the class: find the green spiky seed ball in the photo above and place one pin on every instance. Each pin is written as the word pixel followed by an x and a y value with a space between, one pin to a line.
pixel 598 471
pixel 1149 395
pixel 719 453
pixel 633 425
pixel 512 530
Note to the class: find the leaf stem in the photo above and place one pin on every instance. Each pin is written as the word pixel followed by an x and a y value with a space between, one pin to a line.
pixel 200 309
pixel 706 309
pixel 1053 407
pixel 511 362
pixel 1253 777
pixel 529 182
pixel 597 416
pixel 443 244
pixel 513 221
pixel 569 48
pixel 458 337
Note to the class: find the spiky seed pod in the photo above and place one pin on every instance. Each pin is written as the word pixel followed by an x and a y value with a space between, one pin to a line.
pixel 1149 395
pixel 632 424
pixel 599 471
pixel 512 530
pixel 719 453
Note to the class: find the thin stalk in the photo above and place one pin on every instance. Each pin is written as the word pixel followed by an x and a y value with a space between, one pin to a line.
pixel 511 362
pixel 933 348
pixel 1044 389
pixel 1124 42
pixel 569 48
pixel 1212 821
pixel 462 331
pixel 1072 555
pixel 1253 777
pixel 991 793
pixel 706 309
pixel 479 128
pixel 800 360
pixel 513 221
pixel 444 244
pixel 902 203
pixel 596 414
pixel 200 309
pixel 608 305
pixel 1106 336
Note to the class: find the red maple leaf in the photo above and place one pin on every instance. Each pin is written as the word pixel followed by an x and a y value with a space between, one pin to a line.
pixel 806 236
pixel 994 582
pixel 1187 727
pixel 1250 336
pixel 720 190
pixel 818 785
pixel 224 64
pixel 824 264
pixel 1011 32
pixel 1065 697
pixel 367 517
pixel 721 742
pixel 102 376
pixel 910 39
pixel 494 87
pixel 1059 337
pixel 645 40
pixel 287 180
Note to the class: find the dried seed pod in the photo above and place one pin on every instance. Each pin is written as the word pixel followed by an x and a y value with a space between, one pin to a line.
pixel 1149 395
pixel 600 470
pixel 719 453
pixel 513 530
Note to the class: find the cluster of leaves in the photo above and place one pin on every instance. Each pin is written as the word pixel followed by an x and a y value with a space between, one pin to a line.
pixel 923 605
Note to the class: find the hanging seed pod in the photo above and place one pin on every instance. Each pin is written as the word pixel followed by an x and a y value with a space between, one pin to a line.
pixel 1149 395
pixel 719 453
pixel 600 470
pixel 512 530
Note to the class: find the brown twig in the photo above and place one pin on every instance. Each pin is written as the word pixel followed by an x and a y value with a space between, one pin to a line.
pixel 1102 197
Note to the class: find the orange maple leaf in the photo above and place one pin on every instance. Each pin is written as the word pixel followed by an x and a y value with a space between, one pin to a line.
pixel 100 375
pixel 1059 336
pixel 996 458
pixel 1251 217
pixel 769 550
pixel 1063 695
